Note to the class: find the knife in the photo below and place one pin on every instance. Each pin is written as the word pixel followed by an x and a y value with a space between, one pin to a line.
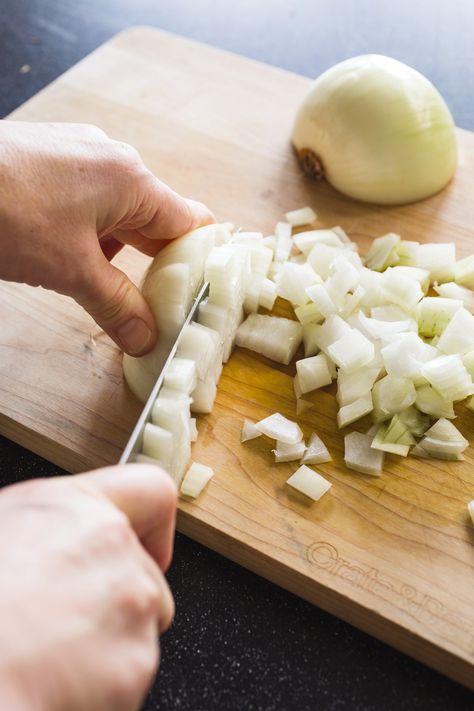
pixel 134 444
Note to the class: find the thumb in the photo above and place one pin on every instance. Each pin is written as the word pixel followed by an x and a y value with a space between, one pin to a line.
pixel 118 307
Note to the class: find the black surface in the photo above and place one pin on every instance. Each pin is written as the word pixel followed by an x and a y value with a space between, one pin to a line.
pixel 239 642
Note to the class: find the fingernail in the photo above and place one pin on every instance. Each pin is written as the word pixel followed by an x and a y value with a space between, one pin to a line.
pixel 134 336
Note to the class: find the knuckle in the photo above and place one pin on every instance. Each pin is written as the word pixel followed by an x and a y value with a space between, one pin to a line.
pixel 116 532
pixel 138 600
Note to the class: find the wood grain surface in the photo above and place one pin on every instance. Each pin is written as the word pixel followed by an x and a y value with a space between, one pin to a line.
pixel 393 555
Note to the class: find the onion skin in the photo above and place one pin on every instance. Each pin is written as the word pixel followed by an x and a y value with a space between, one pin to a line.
pixel 377 130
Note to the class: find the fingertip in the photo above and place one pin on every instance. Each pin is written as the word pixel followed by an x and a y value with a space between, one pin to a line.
pixel 200 213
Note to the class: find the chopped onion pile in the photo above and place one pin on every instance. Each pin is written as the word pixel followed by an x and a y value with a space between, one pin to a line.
pixel 395 351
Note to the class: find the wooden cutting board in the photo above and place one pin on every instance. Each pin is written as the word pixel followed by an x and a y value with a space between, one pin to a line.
pixel 394 555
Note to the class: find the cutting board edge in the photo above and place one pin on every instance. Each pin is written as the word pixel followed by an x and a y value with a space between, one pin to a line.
pixel 418 648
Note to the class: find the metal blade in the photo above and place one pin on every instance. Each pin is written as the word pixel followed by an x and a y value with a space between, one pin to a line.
pixel 134 444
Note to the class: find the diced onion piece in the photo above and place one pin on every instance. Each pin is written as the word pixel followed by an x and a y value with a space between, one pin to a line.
pixel 449 377
pixel 376 328
pixel 313 373
pixel 305 241
pixel 268 294
pixel 316 451
pixel 359 455
pixel 301 216
pixel 343 277
pixel 431 402
pixel 329 332
pixel 280 428
pixel 310 339
pixel 464 272
pixel 352 301
pixel 444 441
pixel 249 431
pixel 352 351
pixel 438 259
pixel 415 421
pixel 391 395
pixel 195 479
pixel 458 336
pixel 433 314
pixel 405 356
pixel 270 242
pixel 321 299
pixel 470 404
pixel 288 452
pixel 274 337
pixel 451 290
pixel 308 314
pixel 444 430
pixel 470 508
pixel 407 253
pixel 284 243
pixel 422 276
pixel 398 433
pixel 309 482
pixel 379 255
pixel 354 411
pixel 293 280
pixel 400 290
pixel 418 451
pixel 355 384
pixel 322 257
pixel 381 443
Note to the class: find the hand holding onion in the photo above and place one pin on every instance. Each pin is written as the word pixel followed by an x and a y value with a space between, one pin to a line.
pixel 70 199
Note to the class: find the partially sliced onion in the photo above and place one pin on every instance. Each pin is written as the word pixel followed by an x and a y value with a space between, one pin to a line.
pixel 280 428
pixel 195 479
pixel 309 482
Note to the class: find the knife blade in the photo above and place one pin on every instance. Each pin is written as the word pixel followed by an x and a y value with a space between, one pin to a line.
pixel 134 444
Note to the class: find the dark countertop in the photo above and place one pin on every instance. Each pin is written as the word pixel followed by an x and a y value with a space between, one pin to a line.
pixel 239 642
